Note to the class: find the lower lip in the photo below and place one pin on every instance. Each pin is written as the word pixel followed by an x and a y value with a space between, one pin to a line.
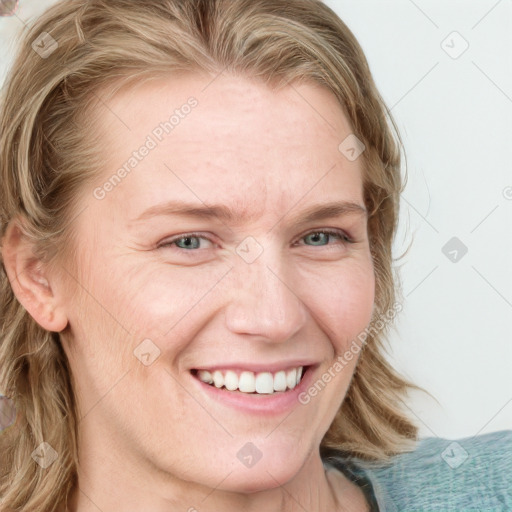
pixel 261 404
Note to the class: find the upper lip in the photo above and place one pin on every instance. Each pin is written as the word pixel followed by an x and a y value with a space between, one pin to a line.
pixel 257 368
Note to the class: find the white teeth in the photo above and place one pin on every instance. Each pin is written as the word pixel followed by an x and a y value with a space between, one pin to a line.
pixel 280 381
pixel 218 379
pixel 264 383
pixel 248 382
pixel 205 376
pixel 291 378
pixel 299 374
pixel 231 380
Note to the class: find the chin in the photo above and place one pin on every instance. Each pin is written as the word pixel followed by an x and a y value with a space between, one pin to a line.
pixel 276 468
pixel 257 480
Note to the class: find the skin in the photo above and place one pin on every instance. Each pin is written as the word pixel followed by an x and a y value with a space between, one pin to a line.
pixel 148 439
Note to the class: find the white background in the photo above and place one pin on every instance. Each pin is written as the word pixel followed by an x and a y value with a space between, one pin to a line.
pixel 454 112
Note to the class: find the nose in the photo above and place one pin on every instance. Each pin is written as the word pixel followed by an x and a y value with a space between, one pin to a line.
pixel 263 301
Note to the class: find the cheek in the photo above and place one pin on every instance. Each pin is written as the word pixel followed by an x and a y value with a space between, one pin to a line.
pixel 169 298
pixel 119 306
pixel 341 299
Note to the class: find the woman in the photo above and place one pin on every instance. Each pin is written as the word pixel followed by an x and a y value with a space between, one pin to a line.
pixel 199 200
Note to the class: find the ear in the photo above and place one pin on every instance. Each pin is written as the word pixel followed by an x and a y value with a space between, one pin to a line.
pixel 29 280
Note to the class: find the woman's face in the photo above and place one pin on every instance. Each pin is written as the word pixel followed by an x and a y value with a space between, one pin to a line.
pixel 257 288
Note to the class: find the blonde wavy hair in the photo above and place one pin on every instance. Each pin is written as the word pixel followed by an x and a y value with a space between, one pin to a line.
pixel 47 155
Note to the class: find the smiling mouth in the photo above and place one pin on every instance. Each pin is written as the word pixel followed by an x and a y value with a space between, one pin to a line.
pixel 247 382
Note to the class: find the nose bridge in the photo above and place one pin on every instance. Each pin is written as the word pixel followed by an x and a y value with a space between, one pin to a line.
pixel 262 301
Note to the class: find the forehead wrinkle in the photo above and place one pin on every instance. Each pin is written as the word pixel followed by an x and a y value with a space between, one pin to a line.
pixel 244 210
pixel 247 212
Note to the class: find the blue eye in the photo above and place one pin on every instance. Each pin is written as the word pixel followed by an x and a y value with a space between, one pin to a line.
pixel 190 241
pixel 325 234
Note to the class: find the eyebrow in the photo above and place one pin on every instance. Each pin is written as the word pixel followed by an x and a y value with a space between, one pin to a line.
pixel 311 214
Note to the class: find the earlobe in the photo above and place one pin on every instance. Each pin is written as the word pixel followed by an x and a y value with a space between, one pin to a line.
pixel 29 280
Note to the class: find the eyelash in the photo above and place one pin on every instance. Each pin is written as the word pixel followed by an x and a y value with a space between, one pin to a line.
pixel 345 239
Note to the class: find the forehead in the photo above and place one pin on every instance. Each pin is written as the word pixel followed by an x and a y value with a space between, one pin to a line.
pixel 227 139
